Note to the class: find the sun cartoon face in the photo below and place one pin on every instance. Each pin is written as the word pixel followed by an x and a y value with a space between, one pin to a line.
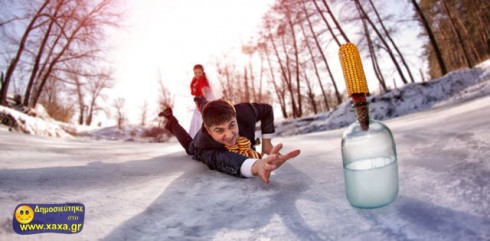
pixel 24 214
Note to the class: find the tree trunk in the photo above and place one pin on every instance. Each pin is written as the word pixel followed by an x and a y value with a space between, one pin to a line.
pixel 20 50
pixel 283 69
pixel 388 49
pixel 336 22
pixel 296 65
pixel 35 67
pixel 433 41
pixel 317 73
pixel 252 80
pixel 392 42
pixel 458 35
pixel 69 39
pixel 421 75
pixel 246 87
pixel 81 104
pixel 310 94
pixel 280 95
pixel 471 42
pixel 372 54
pixel 455 55
pixel 261 79
pixel 326 23
pixel 50 68
pixel 90 115
pixel 319 47
pixel 288 78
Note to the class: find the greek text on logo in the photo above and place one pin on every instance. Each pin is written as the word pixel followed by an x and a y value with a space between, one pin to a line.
pixel 42 218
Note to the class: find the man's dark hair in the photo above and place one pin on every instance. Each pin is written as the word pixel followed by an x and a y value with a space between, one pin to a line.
pixel 217 112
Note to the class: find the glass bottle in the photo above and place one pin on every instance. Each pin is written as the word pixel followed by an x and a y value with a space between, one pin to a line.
pixel 369 161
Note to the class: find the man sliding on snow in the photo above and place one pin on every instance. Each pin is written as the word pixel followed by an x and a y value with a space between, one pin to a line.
pixel 224 143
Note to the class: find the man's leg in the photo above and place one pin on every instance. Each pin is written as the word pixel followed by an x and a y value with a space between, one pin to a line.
pixel 175 128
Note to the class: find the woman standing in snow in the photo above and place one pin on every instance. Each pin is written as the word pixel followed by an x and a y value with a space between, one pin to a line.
pixel 199 87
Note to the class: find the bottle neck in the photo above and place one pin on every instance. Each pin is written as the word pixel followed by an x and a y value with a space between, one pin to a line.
pixel 362 114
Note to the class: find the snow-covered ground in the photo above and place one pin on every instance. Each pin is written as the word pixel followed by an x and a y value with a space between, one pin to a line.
pixel 153 191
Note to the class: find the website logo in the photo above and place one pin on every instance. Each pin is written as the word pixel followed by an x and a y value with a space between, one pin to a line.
pixel 42 218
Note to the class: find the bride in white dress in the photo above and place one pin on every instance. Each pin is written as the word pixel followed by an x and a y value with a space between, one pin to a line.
pixel 199 87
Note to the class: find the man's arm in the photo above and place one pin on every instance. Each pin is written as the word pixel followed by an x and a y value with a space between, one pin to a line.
pixel 265 114
pixel 241 166
pixel 222 160
pixel 266 146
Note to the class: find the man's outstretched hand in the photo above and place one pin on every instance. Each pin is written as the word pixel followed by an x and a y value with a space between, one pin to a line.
pixel 264 167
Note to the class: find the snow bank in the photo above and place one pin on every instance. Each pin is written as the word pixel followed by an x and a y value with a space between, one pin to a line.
pixel 457 86
pixel 18 121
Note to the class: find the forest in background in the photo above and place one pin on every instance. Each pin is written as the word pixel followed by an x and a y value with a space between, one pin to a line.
pixel 54 52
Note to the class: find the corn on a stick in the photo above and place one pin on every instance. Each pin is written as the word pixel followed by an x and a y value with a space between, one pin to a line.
pixel 355 81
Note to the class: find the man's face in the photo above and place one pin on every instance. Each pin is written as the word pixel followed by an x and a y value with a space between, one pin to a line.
pixel 226 133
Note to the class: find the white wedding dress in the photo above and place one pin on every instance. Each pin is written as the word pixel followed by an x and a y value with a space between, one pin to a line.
pixel 196 120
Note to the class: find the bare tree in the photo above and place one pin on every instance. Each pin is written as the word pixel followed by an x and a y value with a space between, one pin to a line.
pixel 229 79
pixel 380 36
pixel 248 75
pixel 278 35
pixel 252 93
pixel 330 29
pixel 96 87
pixel 58 106
pixel 165 99
pixel 374 59
pixel 88 84
pixel 80 92
pixel 292 22
pixel 279 89
pixel 310 94
pixel 81 30
pixel 312 56
pixel 40 53
pixel 60 32
pixel 20 51
pixel 246 85
pixel 286 67
pixel 334 19
pixel 388 36
pixel 322 53
pixel 144 113
pixel 260 95
pixel 120 112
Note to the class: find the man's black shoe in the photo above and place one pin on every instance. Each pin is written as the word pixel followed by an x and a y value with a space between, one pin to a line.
pixel 167 113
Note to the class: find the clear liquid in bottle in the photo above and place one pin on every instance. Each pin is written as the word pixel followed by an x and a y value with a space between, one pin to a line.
pixel 370 165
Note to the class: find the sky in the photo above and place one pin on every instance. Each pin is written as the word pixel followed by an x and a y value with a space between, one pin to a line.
pixel 167 38
pixel 154 191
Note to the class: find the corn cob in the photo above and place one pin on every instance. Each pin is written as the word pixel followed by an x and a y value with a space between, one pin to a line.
pixel 355 81
pixel 350 60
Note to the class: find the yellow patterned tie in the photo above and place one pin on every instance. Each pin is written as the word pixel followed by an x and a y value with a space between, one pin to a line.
pixel 243 147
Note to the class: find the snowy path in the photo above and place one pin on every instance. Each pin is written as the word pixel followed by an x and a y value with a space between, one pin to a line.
pixel 135 191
